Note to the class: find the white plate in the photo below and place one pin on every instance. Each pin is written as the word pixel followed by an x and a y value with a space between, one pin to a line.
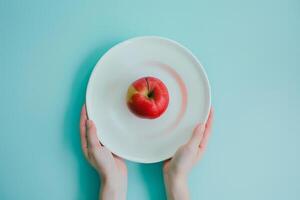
pixel 144 140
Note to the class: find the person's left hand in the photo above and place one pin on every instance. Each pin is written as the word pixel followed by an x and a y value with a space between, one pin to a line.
pixel 111 168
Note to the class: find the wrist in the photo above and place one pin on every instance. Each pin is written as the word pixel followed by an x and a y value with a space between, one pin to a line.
pixel 176 186
pixel 172 175
pixel 113 189
pixel 174 180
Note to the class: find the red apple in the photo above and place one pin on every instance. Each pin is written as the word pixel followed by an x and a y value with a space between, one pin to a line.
pixel 148 97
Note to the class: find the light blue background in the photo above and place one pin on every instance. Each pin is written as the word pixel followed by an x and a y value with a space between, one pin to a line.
pixel 251 52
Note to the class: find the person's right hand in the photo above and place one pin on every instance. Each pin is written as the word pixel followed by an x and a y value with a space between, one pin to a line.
pixel 176 169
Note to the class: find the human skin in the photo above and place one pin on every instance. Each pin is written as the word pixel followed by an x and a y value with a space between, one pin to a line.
pixel 176 169
pixel 112 169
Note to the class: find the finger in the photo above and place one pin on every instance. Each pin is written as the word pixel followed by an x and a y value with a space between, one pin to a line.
pixel 166 164
pixel 207 131
pixel 92 139
pixel 209 121
pixel 82 127
pixel 197 135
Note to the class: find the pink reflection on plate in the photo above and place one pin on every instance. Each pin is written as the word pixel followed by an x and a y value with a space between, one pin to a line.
pixel 183 91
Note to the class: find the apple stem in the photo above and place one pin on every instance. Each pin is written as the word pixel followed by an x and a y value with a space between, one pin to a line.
pixel 147 84
pixel 149 93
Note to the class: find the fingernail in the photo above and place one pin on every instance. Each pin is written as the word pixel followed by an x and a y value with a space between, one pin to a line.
pixel 89 123
pixel 201 127
pixel 199 124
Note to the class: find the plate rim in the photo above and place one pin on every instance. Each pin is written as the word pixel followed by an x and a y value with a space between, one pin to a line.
pixel 133 39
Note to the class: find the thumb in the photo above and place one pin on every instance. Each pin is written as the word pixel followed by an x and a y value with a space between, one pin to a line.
pixel 92 138
pixel 197 136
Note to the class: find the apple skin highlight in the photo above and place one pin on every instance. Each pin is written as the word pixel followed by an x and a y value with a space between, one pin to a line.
pixel 147 97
